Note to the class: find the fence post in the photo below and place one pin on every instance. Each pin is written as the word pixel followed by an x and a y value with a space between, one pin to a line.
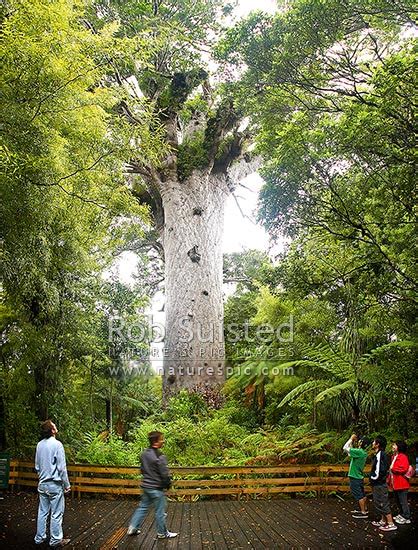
pixel 323 474
pixel 78 474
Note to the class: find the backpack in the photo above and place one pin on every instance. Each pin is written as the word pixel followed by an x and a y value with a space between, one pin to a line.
pixel 410 472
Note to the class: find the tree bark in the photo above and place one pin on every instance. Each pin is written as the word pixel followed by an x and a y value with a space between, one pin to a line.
pixel 41 397
pixel 2 424
pixel 194 348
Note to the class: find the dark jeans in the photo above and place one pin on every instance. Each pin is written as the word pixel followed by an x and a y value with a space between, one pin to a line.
pixel 381 499
pixel 357 488
pixel 402 500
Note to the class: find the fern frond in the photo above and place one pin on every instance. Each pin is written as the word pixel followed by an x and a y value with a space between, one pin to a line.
pixel 336 390
pixel 323 356
pixel 306 387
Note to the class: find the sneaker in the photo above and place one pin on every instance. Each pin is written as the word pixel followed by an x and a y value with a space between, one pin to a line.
pixel 402 521
pixel 167 535
pixel 378 523
pixel 361 515
pixel 62 542
pixel 132 532
pixel 388 527
pixel 398 516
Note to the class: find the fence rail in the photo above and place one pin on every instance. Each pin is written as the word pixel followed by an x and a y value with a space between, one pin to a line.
pixel 201 481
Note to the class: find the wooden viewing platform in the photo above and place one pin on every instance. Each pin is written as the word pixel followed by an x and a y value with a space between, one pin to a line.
pixel 259 513
pixel 286 523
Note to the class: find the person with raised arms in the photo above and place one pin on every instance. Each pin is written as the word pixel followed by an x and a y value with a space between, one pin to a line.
pixel 356 450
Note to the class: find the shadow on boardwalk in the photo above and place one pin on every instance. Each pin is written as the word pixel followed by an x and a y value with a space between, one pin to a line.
pixel 235 525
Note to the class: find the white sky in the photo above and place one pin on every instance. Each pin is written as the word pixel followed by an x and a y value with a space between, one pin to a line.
pixel 245 6
pixel 241 231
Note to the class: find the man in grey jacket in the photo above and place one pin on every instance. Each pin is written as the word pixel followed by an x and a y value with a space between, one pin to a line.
pixel 51 468
pixel 155 479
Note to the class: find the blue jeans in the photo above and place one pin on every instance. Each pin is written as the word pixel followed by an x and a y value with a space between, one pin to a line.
pixel 51 499
pixel 157 499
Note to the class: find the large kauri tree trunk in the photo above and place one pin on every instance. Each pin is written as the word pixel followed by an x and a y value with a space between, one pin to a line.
pixel 192 238
pixel 186 193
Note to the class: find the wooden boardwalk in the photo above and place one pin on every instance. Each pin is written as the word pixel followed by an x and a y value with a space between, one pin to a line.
pixel 231 524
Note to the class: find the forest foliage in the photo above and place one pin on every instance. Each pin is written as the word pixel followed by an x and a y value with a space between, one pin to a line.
pixel 329 90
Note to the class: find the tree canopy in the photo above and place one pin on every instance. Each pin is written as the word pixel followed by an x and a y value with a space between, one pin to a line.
pixel 331 88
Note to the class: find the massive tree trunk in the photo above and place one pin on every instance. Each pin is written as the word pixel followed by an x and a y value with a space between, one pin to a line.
pixel 41 395
pixel 186 192
pixel 192 237
pixel 2 424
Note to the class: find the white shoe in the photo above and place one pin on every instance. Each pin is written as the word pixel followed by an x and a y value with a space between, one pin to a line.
pixel 388 527
pixel 167 535
pixel 378 523
pixel 402 521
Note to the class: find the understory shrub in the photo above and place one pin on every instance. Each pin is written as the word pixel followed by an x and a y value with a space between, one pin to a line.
pixel 198 436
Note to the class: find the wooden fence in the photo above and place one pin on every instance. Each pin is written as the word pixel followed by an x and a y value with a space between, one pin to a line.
pixel 201 481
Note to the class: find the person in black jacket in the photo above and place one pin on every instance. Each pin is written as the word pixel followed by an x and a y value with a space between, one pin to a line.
pixel 155 479
pixel 378 475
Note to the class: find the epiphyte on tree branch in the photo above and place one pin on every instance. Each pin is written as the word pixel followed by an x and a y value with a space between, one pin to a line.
pixel 194 255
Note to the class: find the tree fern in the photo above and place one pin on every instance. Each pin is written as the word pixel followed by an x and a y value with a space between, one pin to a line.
pixel 342 381
pixel 335 391
pixel 303 389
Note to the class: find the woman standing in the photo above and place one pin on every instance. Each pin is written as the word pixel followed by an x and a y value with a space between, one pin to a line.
pixel 398 481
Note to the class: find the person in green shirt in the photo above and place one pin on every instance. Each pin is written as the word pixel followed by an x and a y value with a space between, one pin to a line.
pixel 356 450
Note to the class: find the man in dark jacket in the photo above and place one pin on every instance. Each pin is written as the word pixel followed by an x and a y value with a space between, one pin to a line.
pixel 155 479
pixel 378 475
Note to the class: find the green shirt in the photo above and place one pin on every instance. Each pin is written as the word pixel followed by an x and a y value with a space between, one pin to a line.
pixel 358 460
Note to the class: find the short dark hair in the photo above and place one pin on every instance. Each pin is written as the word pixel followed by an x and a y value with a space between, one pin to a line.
pixel 154 437
pixel 46 429
pixel 402 446
pixel 381 441
pixel 364 442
